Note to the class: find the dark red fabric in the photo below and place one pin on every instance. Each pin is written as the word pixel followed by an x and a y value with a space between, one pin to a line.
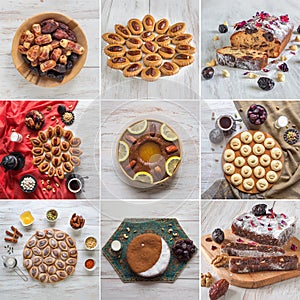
pixel 12 115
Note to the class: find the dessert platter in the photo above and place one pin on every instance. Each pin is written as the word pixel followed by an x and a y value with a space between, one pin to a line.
pixel 259 250
pixel 149 250
pixel 149 48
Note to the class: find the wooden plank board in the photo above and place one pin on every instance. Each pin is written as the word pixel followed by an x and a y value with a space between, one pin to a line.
pixel 250 280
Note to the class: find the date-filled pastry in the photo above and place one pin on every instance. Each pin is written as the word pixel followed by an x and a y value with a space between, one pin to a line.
pixel 169 68
pixel 150 74
pixel 114 50
pixel 133 69
pixel 228 168
pixel 162 26
pixel 122 31
pixel 272 176
pixel 265 160
pixel 149 47
pixel 135 26
pixel 245 150
pixel 236 179
pixel 246 137
pixel 166 52
pixel 239 161
pixel 176 29
pixel 113 38
pixel 152 60
pixel 163 40
pixel 235 144
pixel 259 172
pixel 134 42
pixel 276 153
pixel 148 22
pixel 258 149
pixel 269 143
pixel 229 155
pixel 183 59
pixel 147 36
pixel 262 185
pixel 118 63
pixel 252 161
pixel 134 55
pixel 246 171
pixel 258 137
pixel 276 165
pixel 248 184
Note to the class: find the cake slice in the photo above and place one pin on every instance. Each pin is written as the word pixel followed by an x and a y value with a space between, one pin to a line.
pixel 248 59
pixel 242 249
pixel 257 264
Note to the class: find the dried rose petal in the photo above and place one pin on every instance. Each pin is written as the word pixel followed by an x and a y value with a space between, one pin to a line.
pixel 270 228
pixel 251 243
pixel 294 247
pixel 214 248
pixel 252 223
pixel 283 215
pixel 239 240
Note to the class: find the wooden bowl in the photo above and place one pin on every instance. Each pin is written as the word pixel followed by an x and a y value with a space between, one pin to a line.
pixel 23 68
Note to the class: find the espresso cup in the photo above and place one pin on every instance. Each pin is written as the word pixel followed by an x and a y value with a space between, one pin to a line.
pixel 225 122
pixel 74 185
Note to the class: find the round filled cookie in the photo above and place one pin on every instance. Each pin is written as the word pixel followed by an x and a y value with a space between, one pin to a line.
pixel 134 55
pixel 246 171
pixel 236 179
pixel 246 137
pixel 269 143
pixel 133 69
pixel 252 161
pixel 228 168
pixel 235 144
pixel 152 60
pixel 245 150
pixel 276 165
pixel 258 137
pixel 163 40
pixel 115 50
pixel 276 153
pixel 118 63
pixel 183 59
pixel 134 42
pixel 168 68
pixel 148 255
pixel 262 185
pixel 265 160
pixel 239 161
pixel 248 184
pixel 229 155
pixel 258 149
pixel 271 176
pixel 259 172
pixel 147 36
pixel 150 74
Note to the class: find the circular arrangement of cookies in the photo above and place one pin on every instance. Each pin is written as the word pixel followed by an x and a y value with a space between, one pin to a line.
pixel 50 255
pixel 148 48
pixel 252 161
pixel 56 151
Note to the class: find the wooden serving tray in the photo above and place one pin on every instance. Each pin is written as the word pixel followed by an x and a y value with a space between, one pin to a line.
pixel 249 280
pixel 238 154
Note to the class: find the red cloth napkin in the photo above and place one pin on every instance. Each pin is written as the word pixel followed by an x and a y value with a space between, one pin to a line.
pixel 12 116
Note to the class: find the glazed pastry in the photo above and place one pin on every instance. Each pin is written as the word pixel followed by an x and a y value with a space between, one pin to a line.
pixel 56 151
pixel 113 38
pixel 134 42
pixel 246 137
pixel 75 161
pixel 147 36
pixel 38 160
pixel 134 55
pixel 43 136
pixel 276 165
pixel 152 60
pixel 235 144
pixel 115 50
pixel 133 69
pixel 262 185
pixel 148 23
pixel 169 69
pixel 149 47
pixel 265 160
pixel 246 171
pixel 236 179
pixel 229 155
pixel 182 59
pixel 182 39
pixel 187 49
pixel 60 173
pixel 259 172
pixel 245 150
pixel 55 141
pixel 272 176
pixel 150 74
pixel 135 26
pixel 44 167
pixel 248 184
pixel 166 52
pixel 177 29
pixel 122 31
pixel 163 40
pixel 162 26
pixel 228 168
pixel 269 143
pixel 75 142
pixel 36 142
pixel 239 161
pixel 258 149
pixel 258 137
pixel 276 153
pixel 67 167
pixel 252 161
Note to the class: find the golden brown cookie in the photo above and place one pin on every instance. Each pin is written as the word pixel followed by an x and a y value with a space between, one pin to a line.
pixel 114 50
pixel 150 74
pixel 163 40
pixel 169 68
pixel 113 38
pixel 133 69
pixel 187 49
pixel 147 36
pixel 134 42
pixel 182 39
pixel 60 173
pixel 134 54
pixel 135 26
pixel 118 63
pixel 182 59
pixel 152 60
pixel 44 167
pixel 177 29
pixel 122 31
pixel 162 26
pixel 149 47
pixel 148 23
pixel 166 52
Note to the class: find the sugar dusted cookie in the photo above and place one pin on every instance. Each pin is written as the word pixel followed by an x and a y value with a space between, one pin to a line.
pixel 235 144
pixel 269 143
pixel 229 155
pixel 276 153
pixel 246 171
pixel 246 137
pixel 271 176
pixel 265 160
pixel 236 179
pixel 228 168
pixel 252 161
pixel 276 165
pixel 239 161
pixel 258 149
pixel 262 185
pixel 248 184
pixel 258 137
pixel 245 150
pixel 259 172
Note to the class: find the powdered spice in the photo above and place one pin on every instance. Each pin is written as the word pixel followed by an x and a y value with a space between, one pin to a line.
pixel 89 263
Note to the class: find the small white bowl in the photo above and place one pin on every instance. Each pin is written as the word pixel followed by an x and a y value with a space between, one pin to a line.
pixel 29 215
pixel 94 267
pixel 52 221
pixel 85 242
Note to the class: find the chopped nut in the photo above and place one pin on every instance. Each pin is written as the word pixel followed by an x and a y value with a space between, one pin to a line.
pixel 175 234
pixel 280 77
pixel 283 58
pixel 216 38
pixel 170 230
pixel 294 47
pixel 213 116
pixel 43 189
pixel 220 260
pixel 13 130
pixel 48 181
pixel 49 187
pixel 28 136
pixel 235 115
pixel 56 121
pixel 252 75
pixel 53 190
pixel 57 184
pixel 49 107
pixel 70 106
pixel 42 181
pixel 297 149
pixel 294 126
pixel 225 23
pixel 128 229
pixel 225 73
pixel 212 63
pixel 241 126
pixel 53 118
pixel 125 236
pixel 162 229
pixel 170 225
pixel 297 39
pixel 216 160
pixel 171 239
pixel 277 107
pixel 241 109
pixel 206 279
pixel 135 231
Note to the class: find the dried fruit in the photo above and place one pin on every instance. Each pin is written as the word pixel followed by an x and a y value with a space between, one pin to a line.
pixel 291 136
pixel 223 28
pixel 259 210
pixel 283 67
pixel 266 83
pixel 208 73
pixel 220 260
pixel 218 235
pixel 184 249
pixel 206 279
pixel 218 289
pixel 257 114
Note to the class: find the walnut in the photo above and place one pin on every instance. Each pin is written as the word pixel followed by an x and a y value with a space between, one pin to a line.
pixel 220 260
pixel 206 279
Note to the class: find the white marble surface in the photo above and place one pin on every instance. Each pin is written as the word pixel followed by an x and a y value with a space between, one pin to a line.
pixel 81 284
pixel 215 12
pixel 85 85
pixel 216 214
pixel 187 284
pixel 184 85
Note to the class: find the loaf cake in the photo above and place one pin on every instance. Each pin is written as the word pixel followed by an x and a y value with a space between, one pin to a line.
pixel 248 59
pixel 263 32
pixel 243 249
pixel 268 229
pixel 148 255
pixel 256 264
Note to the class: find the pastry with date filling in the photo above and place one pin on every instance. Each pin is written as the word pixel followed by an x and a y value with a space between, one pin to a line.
pixel 135 26
pixel 149 47
pixel 148 255
pixel 150 74
pixel 163 40
pixel 148 23
pixel 118 63
pixel 133 69
pixel 152 60
pixel 113 38
pixel 115 50
pixel 134 55
pixel 182 59
pixel 169 68
pixel 134 43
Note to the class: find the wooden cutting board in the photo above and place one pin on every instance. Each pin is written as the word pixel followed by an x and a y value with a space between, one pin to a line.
pixel 251 280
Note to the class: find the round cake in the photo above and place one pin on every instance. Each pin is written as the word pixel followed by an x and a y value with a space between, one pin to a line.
pixel 148 255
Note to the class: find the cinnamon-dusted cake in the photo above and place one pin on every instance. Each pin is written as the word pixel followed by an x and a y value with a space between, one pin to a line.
pixel 148 255
pixel 263 32
pixel 256 264
pixel 264 228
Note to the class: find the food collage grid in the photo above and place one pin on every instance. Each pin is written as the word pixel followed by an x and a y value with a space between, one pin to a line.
pixel 149 149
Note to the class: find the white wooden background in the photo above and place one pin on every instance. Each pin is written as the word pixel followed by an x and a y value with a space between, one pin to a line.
pixel 185 84
pixel 215 12
pixel 183 118
pixel 187 284
pixel 80 285
pixel 219 214
pixel 85 85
